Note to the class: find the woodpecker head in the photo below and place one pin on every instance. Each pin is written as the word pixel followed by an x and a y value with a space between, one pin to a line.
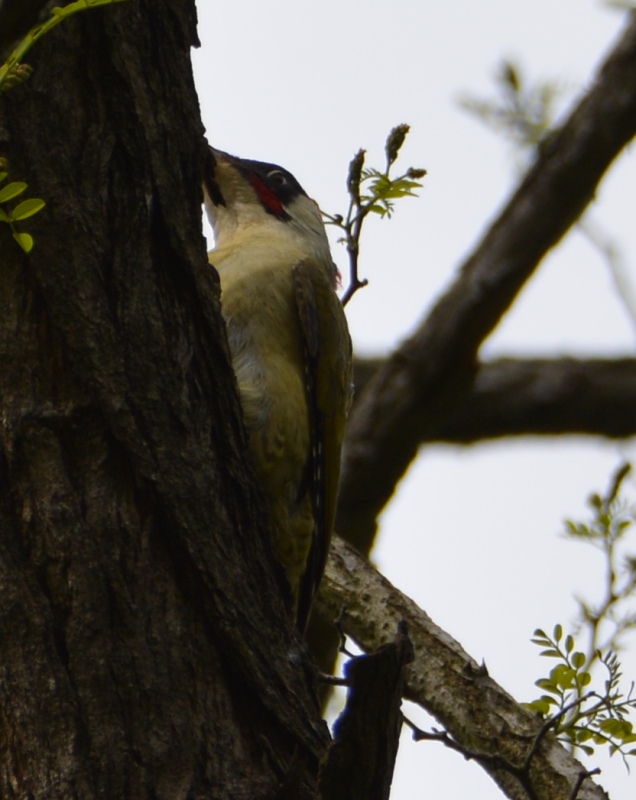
pixel 241 194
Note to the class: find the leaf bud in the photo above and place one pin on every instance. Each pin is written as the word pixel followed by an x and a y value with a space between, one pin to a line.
pixel 394 142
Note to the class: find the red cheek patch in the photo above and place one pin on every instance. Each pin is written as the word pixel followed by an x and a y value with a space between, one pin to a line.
pixel 268 198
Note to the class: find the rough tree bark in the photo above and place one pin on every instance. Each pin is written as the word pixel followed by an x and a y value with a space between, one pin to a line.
pixel 140 656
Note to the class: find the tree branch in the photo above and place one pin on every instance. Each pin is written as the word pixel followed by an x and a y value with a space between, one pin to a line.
pixel 476 712
pixel 518 397
pixel 430 372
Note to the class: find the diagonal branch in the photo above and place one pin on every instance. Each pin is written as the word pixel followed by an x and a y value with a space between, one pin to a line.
pixel 477 713
pixel 429 374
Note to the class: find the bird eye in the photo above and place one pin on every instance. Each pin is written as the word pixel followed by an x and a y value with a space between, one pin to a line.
pixel 277 177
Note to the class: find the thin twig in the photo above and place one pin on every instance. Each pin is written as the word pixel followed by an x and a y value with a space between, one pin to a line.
pixel 579 781
pixel 551 723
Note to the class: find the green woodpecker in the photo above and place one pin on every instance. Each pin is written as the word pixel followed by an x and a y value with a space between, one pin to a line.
pixel 291 352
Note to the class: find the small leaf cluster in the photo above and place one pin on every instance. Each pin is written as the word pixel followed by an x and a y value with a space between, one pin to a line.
pixel 611 518
pixel 583 719
pixel 523 113
pixel 13 71
pixel 611 617
pixel 566 677
pixel 372 191
pixel 383 191
pixel 23 210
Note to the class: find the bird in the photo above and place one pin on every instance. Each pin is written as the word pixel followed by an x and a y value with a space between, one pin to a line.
pixel 291 353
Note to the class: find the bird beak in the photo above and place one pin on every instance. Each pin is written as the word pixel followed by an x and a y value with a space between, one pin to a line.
pixel 209 176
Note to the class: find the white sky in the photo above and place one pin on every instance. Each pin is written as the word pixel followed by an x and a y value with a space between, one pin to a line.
pixel 472 534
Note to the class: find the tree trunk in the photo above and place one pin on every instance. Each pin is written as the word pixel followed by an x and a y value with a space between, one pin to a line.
pixel 146 649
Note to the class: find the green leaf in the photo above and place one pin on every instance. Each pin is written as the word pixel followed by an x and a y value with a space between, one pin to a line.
pixel 569 644
pixel 27 208
pixel 571 526
pixel 3 175
pixel 542 706
pixel 569 731
pixel 25 241
pixel 557 632
pixel 563 676
pixel 550 653
pixel 4 217
pixel 612 726
pixel 578 659
pixel 12 190
pixel 391 193
pixel 627 733
pixel 547 685
pixel 589 751
pixel 407 185
pixel 595 501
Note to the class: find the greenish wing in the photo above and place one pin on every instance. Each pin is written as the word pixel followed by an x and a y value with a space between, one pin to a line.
pixel 327 365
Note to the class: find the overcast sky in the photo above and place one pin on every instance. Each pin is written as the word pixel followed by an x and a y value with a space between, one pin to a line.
pixel 473 533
